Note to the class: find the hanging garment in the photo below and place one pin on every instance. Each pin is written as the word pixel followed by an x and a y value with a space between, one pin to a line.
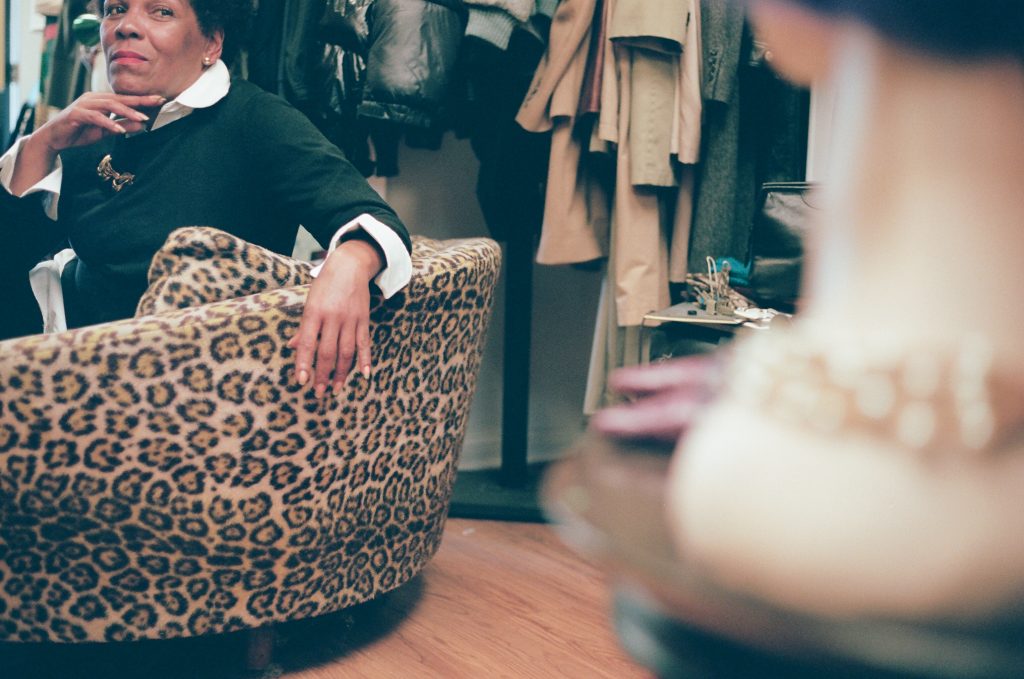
pixel 725 188
pixel 576 205
pixel 288 61
pixel 67 77
pixel 638 268
pixel 686 140
pixel 556 85
pixel 755 131
pixel 413 45
pixel 655 34
pixel 651 108
pixel 575 224
pixel 513 162
pixel 613 347
pixel 590 94
pixel 650 223
pixel 686 122
pixel 494 20
pixel 495 76
pixel 643 120
pixel 686 132
pixel 410 63
pixel 344 29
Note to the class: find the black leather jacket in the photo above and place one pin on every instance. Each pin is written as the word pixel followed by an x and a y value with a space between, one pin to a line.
pixel 285 51
pixel 413 46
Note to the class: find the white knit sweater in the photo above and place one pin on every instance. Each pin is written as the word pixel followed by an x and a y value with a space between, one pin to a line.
pixel 519 9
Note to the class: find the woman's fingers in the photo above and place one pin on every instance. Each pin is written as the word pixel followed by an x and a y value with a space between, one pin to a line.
pixel 304 344
pixel 701 371
pixel 665 398
pixel 327 353
pixel 123 110
pixel 364 350
pixel 142 100
pixel 98 120
pixel 332 337
pixel 346 353
pixel 661 418
pixel 326 349
pixel 335 322
pixel 126 105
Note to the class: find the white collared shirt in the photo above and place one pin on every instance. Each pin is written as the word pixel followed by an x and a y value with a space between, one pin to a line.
pixel 207 90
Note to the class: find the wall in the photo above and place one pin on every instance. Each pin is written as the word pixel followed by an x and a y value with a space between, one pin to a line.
pixel 26 44
pixel 3 47
pixel 819 138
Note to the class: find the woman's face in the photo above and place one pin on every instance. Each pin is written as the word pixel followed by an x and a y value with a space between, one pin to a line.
pixel 154 46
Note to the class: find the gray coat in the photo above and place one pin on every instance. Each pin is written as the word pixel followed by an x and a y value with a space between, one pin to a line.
pixel 755 131
pixel 725 189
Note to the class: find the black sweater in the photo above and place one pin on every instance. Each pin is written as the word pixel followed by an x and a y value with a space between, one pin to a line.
pixel 251 165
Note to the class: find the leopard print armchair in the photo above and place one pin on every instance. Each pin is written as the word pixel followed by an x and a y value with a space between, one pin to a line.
pixel 162 476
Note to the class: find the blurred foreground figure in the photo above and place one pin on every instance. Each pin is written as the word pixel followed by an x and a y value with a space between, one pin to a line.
pixel 869 461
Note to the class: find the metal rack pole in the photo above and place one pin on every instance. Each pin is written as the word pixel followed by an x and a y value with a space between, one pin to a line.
pixel 516 383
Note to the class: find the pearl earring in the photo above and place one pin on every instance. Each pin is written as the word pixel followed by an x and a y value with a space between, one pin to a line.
pixel 206 61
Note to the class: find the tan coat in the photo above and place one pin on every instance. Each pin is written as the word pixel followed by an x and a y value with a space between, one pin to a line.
pixel 655 86
pixel 575 226
pixel 650 100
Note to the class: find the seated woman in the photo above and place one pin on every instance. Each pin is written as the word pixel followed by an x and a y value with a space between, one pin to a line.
pixel 179 143
pixel 869 462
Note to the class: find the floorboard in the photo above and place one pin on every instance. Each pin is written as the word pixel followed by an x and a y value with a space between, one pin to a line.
pixel 500 599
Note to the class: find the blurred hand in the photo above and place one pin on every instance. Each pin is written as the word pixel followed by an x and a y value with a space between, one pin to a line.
pixel 664 398
pixel 334 333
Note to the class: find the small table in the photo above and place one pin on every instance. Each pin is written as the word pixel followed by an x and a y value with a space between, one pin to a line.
pixel 687 322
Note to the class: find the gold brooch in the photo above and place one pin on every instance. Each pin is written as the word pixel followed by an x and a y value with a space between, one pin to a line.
pixel 117 179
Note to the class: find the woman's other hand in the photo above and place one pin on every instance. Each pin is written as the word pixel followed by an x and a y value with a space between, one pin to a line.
pixel 335 329
pixel 664 398
pixel 86 121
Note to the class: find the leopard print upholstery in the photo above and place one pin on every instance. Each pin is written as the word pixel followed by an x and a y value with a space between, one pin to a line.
pixel 162 476
pixel 199 265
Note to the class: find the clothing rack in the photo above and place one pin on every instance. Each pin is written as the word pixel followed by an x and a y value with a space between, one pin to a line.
pixel 515 404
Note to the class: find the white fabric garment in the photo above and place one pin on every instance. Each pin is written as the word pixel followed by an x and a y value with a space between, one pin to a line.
pixel 45 281
pixel 520 9
pixel 98 73
pixel 207 90
pixel 50 8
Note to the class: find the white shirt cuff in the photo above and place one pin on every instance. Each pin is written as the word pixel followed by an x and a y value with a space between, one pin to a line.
pixel 398 267
pixel 50 183
pixel 44 278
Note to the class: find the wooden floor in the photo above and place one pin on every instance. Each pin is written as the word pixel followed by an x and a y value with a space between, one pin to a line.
pixel 500 599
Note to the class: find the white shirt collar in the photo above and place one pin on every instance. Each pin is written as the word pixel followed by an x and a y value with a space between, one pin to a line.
pixel 207 90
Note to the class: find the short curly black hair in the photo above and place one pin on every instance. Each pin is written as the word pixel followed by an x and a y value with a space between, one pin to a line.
pixel 230 16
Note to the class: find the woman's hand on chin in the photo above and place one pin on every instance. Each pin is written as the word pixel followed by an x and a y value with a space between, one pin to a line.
pixel 335 329
pixel 88 119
